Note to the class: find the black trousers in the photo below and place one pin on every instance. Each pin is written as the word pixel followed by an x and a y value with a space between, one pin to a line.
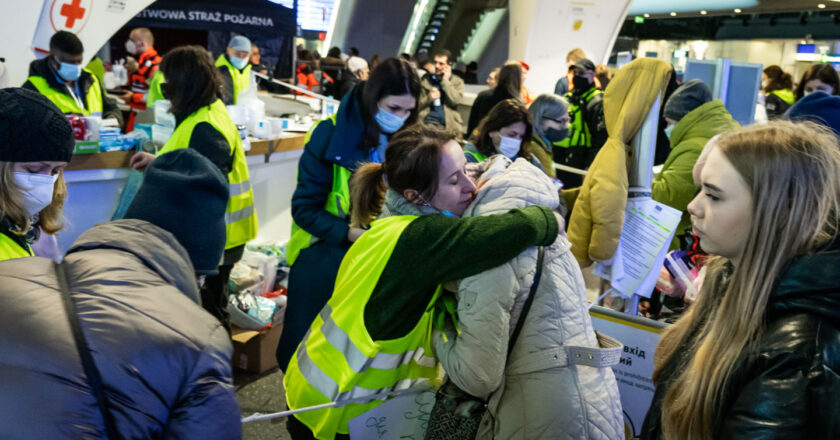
pixel 311 283
pixel 299 431
pixel 214 295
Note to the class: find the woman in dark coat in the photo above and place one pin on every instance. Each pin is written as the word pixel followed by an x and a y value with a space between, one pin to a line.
pixel 509 86
pixel 321 233
pixel 758 355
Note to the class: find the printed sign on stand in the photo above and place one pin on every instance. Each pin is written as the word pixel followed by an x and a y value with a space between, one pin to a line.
pixel 634 371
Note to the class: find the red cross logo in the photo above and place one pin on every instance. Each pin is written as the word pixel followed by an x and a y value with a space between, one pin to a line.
pixel 70 15
pixel 73 11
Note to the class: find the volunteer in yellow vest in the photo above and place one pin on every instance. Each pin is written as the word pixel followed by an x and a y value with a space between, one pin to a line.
pixel 778 94
pixel 587 129
pixel 235 68
pixel 36 143
pixel 550 116
pixel 62 79
pixel 203 124
pixel 321 232
pixel 374 333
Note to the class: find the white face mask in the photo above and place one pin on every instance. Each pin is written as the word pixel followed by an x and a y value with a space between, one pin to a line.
pixel 130 47
pixel 37 191
pixel 509 146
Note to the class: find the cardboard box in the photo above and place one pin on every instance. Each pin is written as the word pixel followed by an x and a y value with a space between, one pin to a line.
pixel 254 351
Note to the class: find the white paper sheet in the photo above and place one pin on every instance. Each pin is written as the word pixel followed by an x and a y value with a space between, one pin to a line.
pixel 649 227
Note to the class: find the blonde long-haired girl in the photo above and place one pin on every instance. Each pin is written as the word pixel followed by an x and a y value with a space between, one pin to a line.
pixel 758 355
pixel 36 143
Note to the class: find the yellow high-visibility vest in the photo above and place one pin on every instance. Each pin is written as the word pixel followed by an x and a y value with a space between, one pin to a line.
pixel 240 215
pixel 65 102
pixel 339 360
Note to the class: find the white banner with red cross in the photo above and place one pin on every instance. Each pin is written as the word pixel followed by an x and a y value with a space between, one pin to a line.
pixel 61 15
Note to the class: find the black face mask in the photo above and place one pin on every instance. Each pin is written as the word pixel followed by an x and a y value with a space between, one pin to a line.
pixel 554 135
pixel 581 84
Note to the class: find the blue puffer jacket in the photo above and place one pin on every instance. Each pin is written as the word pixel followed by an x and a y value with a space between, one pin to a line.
pixel 164 361
pixel 330 143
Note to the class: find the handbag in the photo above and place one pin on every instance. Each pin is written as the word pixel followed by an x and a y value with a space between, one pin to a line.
pixel 457 415
pixel 92 373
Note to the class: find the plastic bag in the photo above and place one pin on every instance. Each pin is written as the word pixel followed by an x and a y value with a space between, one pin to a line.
pixel 265 265
pixel 251 312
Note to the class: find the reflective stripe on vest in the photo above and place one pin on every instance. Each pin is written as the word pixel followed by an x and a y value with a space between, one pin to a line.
pixel 240 214
pixel 339 360
pixel 65 102
pixel 579 135
pixel 241 79
pixel 337 204
pixel 9 249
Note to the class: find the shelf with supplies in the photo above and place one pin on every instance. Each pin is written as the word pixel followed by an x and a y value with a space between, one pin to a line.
pixel 120 159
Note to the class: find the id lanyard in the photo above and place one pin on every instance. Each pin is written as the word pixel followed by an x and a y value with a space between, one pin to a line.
pixel 75 96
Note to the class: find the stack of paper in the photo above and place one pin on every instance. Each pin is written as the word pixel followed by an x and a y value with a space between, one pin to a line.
pixel 649 227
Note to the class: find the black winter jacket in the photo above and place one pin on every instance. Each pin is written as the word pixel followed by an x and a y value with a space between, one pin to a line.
pixel 790 387
pixel 164 361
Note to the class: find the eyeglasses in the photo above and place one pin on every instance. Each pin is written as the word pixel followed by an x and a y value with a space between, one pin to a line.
pixel 561 121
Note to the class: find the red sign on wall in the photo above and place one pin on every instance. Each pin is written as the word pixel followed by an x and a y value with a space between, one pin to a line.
pixel 70 15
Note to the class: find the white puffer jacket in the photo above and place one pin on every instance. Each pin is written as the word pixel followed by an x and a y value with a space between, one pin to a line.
pixel 546 391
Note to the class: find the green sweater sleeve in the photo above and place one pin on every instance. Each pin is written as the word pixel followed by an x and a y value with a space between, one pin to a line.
pixel 434 249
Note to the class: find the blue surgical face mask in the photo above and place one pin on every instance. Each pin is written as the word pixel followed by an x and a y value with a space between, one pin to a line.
pixel 239 63
pixel 509 146
pixel 69 72
pixel 388 122
pixel 668 130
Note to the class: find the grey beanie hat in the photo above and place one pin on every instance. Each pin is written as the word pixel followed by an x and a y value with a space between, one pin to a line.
pixel 687 97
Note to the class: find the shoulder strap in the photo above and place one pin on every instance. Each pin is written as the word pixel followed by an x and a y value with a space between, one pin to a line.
pixel 91 371
pixel 531 294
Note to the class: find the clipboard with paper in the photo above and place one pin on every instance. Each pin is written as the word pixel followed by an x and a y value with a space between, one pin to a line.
pixel 649 227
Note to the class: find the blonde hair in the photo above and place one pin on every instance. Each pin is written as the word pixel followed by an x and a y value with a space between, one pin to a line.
pixel 144 34
pixel 575 55
pixel 50 219
pixel 793 173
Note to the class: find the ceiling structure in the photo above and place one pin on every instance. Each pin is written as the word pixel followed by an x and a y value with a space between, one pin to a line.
pixel 693 8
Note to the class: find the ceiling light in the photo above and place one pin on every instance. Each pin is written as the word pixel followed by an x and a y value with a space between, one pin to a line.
pixel 737 10
pixel 821 5
pixel 703 12
pixel 648 15
pixel 673 14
